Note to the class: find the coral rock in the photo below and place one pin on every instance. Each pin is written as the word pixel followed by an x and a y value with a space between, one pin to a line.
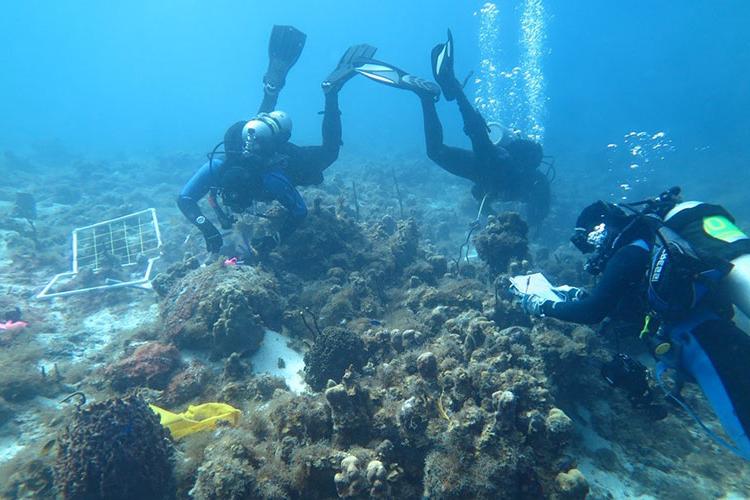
pixel 351 481
pixel 150 365
pixel 222 309
pixel 187 384
pixel 350 412
pixel 413 417
pixel 571 485
pixel 503 239
pixel 333 351
pixel 235 367
pixel 228 472
pixel 559 426
pixel 427 365
pixel 375 471
pixel 505 409
pixel 377 477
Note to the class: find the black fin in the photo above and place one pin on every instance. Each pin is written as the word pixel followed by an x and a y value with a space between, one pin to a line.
pixel 390 75
pixel 345 69
pixel 284 48
pixel 442 68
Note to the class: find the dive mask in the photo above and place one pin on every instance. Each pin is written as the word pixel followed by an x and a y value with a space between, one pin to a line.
pixel 589 241
pixel 597 236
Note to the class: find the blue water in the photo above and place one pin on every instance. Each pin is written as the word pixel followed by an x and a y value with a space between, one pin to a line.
pixel 139 76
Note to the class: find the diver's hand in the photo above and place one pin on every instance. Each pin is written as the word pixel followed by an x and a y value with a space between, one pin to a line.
pixel 533 304
pixel 227 221
pixel 213 238
pixel 570 293
pixel 264 244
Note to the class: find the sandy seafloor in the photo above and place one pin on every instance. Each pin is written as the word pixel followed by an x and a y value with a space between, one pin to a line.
pixel 75 339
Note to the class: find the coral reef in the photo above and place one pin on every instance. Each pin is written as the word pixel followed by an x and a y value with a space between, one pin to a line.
pixel 350 411
pixel 150 365
pixel 428 381
pixel 333 351
pixel 229 472
pixel 186 384
pixel 21 378
pixel 221 309
pixel 114 449
pixel 164 281
pixel 571 485
pixel 325 240
pixel 503 240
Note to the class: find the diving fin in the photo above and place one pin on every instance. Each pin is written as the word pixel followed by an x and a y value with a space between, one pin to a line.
pixel 284 48
pixel 345 69
pixel 442 68
pixel 395 77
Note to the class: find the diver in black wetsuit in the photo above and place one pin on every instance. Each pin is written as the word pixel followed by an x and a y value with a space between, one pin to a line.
pixel 507 170
pixel 259 161
pixel 622 266
pixel 682 277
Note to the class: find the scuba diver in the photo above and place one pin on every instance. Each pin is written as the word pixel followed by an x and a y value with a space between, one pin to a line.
pixel 681 258
pixel 259 163
pixel 505 170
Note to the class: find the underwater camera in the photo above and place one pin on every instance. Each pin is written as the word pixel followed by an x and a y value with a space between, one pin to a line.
pixel 631 375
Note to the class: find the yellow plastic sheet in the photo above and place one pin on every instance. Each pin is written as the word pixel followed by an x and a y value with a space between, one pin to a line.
pixel 197 418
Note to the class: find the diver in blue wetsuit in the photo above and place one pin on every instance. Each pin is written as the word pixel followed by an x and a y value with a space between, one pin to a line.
pixel 260 164
pixel 677 260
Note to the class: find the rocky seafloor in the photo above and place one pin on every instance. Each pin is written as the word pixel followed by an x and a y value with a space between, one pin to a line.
pixel 421 378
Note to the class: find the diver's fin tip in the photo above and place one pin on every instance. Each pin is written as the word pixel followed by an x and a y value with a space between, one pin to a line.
pixel 354 56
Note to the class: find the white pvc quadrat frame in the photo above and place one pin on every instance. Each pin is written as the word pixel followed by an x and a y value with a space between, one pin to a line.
pixel 136 241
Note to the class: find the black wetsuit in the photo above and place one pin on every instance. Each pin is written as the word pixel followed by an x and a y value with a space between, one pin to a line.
pixel 622 280
pixel 492 169
pixel 305 164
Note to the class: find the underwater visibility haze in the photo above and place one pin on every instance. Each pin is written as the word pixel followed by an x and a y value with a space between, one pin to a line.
pixel 425 249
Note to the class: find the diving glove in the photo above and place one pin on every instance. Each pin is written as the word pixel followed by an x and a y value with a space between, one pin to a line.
pixel 533 304
pixel 570 293
pixel 213 238
pixel 264 244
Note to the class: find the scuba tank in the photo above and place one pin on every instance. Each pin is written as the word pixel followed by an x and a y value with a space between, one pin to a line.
pixel 737 283
pixel 712 232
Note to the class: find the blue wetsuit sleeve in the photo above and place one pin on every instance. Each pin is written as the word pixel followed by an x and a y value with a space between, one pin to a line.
pixel 279 187
pixel 623 275
pixel 206 177
pixel 197 187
